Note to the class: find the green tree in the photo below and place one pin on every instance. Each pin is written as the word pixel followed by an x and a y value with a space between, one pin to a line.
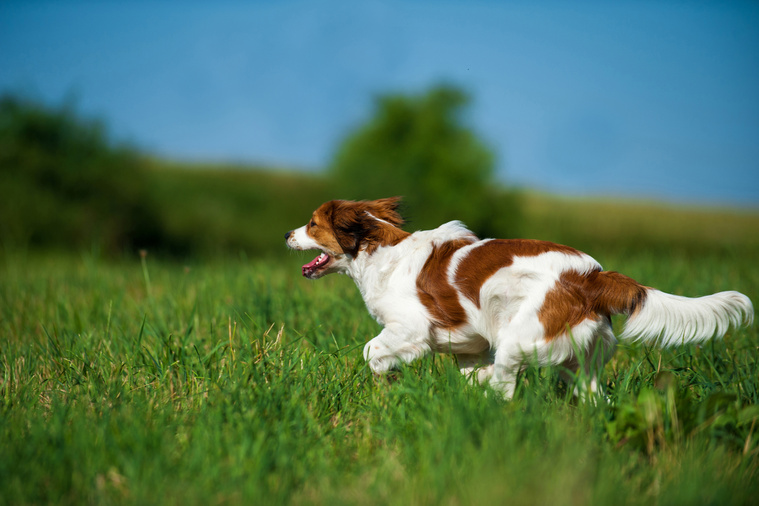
pixel 419 147
pixel 64 184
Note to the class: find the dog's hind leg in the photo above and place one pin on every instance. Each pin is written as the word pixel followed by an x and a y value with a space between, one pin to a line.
pixel 509 359
pixel 508 362
pixel 517 343
pixel 584 371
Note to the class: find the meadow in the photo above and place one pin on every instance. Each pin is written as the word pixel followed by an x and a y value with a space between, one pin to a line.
pixel 229 379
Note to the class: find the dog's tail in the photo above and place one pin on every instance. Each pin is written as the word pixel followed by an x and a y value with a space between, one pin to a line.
pixel 667 319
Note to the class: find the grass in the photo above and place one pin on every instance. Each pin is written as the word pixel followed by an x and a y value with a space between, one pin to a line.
pixel 624 224
pixel 235 381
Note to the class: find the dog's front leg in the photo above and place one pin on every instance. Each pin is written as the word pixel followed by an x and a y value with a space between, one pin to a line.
pixel 396 344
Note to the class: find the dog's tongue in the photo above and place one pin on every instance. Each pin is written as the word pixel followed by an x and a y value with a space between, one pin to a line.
pixel 314 264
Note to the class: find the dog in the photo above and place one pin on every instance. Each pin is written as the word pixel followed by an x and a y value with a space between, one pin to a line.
pixel 496 304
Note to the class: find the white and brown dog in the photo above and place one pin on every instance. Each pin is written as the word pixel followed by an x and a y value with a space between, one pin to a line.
pixel 495 303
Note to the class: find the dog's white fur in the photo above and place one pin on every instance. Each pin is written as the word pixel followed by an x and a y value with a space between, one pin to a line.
pixel 507 328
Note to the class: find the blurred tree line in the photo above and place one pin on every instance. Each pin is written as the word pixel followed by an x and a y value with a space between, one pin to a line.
pixel 65 184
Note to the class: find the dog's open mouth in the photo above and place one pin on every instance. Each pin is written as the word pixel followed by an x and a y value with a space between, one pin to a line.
pixel 316 265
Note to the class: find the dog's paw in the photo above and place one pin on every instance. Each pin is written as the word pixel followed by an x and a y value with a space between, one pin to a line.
pixel 380 358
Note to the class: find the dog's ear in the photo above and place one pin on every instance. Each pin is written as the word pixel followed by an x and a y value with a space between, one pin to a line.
pixel 351 224
pixel 387 209
pixel 355 222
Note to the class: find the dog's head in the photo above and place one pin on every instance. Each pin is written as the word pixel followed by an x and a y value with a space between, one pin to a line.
pixel 344 229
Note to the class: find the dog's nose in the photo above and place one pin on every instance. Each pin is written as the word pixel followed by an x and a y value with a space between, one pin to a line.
pixel 287 235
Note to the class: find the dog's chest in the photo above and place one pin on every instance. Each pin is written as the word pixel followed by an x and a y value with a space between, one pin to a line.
pixel 389 290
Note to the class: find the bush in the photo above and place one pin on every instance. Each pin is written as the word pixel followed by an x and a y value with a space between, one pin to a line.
pixel 64 184
pixel 418 147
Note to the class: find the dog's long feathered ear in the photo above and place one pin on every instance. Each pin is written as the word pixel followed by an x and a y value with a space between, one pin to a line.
pixel 387 209
pixel 350 224
pixel 354 222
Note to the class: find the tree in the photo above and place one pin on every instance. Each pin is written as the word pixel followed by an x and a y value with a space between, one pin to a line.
pixel 418 146
pixel 63 183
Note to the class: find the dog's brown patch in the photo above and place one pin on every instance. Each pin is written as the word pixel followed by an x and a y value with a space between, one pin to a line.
pixel 568 303
pixel 577 297
pixel 434 290
pixel 484 261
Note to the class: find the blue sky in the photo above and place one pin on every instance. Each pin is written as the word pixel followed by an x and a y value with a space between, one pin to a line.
pixel 641 99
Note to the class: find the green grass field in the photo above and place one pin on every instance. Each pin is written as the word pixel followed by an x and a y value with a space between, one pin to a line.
pixel 235 381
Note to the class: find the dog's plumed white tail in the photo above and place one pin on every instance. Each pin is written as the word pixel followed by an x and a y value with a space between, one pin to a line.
pixel 670 320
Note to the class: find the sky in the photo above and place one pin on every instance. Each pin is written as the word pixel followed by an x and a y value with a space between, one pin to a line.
pixel 640 99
